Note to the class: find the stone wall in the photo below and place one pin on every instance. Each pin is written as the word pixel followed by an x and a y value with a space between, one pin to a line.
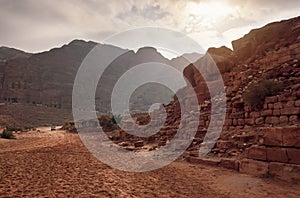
pixel 277 156
pixel 277 110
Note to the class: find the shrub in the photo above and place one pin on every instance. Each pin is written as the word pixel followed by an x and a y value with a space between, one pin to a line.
pixel 7 134
pixel 69 127
pixel 108 123
pixel 255 94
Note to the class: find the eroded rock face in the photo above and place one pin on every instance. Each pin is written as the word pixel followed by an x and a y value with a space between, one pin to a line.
pixel 269 38
pixel 45 78
pixel 224 58
pixel 266 53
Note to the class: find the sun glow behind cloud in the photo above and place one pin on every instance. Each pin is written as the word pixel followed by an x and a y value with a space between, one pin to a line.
pixel 210 11
pixel 203 21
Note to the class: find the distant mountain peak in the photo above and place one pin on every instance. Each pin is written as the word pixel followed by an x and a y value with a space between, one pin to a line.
pixel 147 48
pixel 80 42
pixel 9 53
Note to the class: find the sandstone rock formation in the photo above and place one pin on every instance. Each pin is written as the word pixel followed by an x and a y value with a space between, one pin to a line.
pixel 267 39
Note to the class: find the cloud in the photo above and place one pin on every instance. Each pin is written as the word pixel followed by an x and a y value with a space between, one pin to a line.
pixel 40 25
pixel 150 12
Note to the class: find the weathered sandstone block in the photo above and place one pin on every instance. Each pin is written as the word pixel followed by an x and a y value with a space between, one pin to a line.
pixel 272 136
pixel 253 167
pixel 272 99
pixel 277 154
pixel 259 121
pixel 290 111
pixel 289 104
pixel 291 136
pixel 283 119
pixel 255 114
pixel 257 153
pixel 268 112
pixel 276 112
pixel 293 155
pixel 272 120
pixel 204 161
pixel 230 163
pixel 285 172
pixel 293 118
pixel 249 121
pixel 278 105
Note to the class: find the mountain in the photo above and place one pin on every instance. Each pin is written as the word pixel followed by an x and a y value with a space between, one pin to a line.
pixel 184 60
pixel 46 79
pixel 43 78
pixel 7 53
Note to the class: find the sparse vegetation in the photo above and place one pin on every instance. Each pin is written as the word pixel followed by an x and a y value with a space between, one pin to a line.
pixel 7 134
pixel 255 94
pixel 14 128
pixel 69 127
pixel 108 123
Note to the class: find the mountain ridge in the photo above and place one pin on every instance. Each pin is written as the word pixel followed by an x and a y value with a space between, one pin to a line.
pixel 47 78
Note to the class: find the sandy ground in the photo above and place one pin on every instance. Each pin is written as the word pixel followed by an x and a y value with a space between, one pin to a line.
pixel 56 164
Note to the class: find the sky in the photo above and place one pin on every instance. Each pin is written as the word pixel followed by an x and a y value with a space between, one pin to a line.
pixel 36 26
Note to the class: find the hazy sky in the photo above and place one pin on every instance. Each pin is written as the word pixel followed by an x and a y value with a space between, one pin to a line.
pixel 38 25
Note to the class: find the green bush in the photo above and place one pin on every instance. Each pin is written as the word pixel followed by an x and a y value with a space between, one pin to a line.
pixel 7 134
pixel 256 93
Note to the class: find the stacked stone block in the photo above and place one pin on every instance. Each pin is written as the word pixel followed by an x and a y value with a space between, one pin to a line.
pixel 278 110
pixel 278 156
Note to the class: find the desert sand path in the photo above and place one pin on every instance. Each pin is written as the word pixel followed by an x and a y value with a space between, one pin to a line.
pixel 56 164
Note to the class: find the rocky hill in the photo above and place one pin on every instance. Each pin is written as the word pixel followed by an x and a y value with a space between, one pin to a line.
pixel 270 38
pixel 261 130
pixel 265 59
pixel 7 53
pixel 46 79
